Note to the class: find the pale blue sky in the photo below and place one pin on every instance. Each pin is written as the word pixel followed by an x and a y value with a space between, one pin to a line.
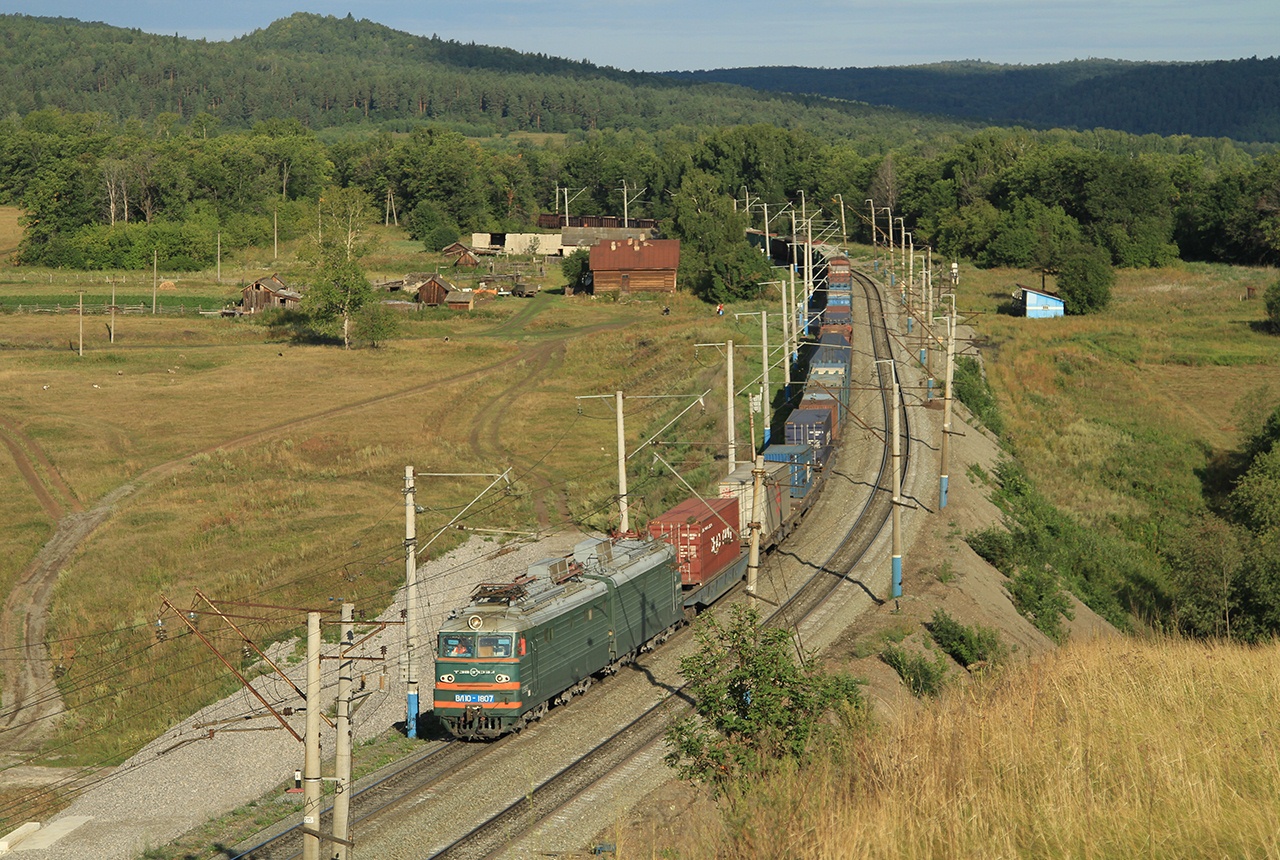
pixel 657 35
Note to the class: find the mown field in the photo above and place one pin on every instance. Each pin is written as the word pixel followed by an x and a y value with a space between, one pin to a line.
pixel 270 470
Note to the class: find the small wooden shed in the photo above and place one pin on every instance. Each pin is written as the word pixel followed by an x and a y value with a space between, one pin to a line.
pixel 433 290
pixel 268 293
pixel 463 257
pixel 635 265
pixel 461 300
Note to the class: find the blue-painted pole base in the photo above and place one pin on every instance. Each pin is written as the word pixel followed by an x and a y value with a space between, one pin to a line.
pixel 909 322
pixel 897 576
pixel 411 716
pixel 924 357
pixel 767 434
pixel 942 491
pixel 928 394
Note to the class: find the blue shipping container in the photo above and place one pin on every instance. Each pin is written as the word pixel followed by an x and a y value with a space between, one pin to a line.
pixel 809 427
pixel 801 459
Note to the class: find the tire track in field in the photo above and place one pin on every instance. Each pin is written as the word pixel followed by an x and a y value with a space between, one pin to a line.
pixel 45 481
pixel 30 696
pixel 486 437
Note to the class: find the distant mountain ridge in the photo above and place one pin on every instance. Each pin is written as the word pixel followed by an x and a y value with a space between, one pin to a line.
pixel 1239 99
pixel 324 71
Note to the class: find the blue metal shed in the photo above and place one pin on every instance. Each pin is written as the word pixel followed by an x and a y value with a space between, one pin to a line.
pixel 1039 304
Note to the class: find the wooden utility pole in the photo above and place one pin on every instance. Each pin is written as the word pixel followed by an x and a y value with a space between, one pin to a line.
pixel 342 748
pixel 411 604
pixel 275 234
pixel 82 324
pixel 155 278
pixel 219 256
pixel 311 783
pixel 113 311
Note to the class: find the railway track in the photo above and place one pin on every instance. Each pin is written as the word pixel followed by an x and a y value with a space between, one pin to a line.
pixel 624 747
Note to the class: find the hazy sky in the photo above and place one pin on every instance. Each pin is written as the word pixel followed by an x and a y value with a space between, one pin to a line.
pixel 657 35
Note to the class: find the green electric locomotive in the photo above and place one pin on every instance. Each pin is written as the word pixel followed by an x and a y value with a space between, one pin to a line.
pixel 520 647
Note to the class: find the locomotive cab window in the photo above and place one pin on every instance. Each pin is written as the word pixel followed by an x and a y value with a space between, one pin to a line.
pixel 495 646
pixel 457 645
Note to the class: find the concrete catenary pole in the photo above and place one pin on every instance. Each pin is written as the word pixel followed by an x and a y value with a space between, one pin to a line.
pixel 311 757
pixel 342 748
pixel 411 605
pixel 945 475
pixel 757 508
pixel 896 572
pixel 768 394
pixel 729 414
pixel 624 523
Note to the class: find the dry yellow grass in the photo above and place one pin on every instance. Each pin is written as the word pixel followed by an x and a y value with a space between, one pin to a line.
pixel 10 232
pixel 1111 749
pixel 272 472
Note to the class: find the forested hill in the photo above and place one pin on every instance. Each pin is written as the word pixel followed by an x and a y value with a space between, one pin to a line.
pixel 326 71
pixel 1238 99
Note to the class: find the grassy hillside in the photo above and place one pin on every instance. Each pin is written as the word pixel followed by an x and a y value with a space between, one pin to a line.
pixel 1111 749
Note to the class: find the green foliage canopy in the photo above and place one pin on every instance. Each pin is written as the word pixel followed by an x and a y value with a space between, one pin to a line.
pixel 754 703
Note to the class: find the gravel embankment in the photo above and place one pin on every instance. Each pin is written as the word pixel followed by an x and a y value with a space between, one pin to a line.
pixel 185 777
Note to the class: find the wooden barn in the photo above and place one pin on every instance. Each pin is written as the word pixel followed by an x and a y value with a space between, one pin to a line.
pixel 433 290
pixel 268 293
pixel 463 257
pixel 635 265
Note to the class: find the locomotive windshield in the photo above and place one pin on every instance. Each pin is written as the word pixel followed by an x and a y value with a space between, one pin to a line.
pixel 457 645
pixel 470 645
pixel 495 646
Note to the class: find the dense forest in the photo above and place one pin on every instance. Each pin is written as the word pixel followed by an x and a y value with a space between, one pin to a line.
pixel 1239 99
pixel 325 72
pixel 101 194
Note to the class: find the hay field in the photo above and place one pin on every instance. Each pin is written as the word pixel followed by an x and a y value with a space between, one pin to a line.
pixel 270 471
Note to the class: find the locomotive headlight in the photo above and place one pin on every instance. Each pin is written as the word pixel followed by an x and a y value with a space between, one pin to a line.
pixel 502 679
pixel 446 679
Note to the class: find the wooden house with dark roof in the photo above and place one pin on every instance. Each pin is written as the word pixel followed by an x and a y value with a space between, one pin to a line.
pixel 432 290
pixel 463 257
pixel 635 265
pixel 268 293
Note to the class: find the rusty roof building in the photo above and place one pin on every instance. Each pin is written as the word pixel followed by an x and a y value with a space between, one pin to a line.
pixel 635 265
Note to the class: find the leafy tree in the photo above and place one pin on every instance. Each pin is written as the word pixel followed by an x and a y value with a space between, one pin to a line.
pixel 1272 301
pixel 1085 279
pixel 716 262
pixel 339 290
pixel 375 324
pixel 754 702
pixel 577 270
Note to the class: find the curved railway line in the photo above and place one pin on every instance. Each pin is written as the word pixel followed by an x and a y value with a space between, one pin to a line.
pixel 405 785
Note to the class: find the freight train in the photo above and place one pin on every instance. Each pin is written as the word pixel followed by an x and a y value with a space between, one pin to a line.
pixel 521 647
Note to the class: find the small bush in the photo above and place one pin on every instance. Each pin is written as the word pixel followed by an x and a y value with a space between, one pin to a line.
pixel 1038 595
pixel 923 677
pixel 966 645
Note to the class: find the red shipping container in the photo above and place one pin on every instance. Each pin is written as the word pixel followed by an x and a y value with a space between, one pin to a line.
pixel 705 535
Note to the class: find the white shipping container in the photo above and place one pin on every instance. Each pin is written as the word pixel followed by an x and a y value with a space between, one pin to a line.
pixel 740 485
